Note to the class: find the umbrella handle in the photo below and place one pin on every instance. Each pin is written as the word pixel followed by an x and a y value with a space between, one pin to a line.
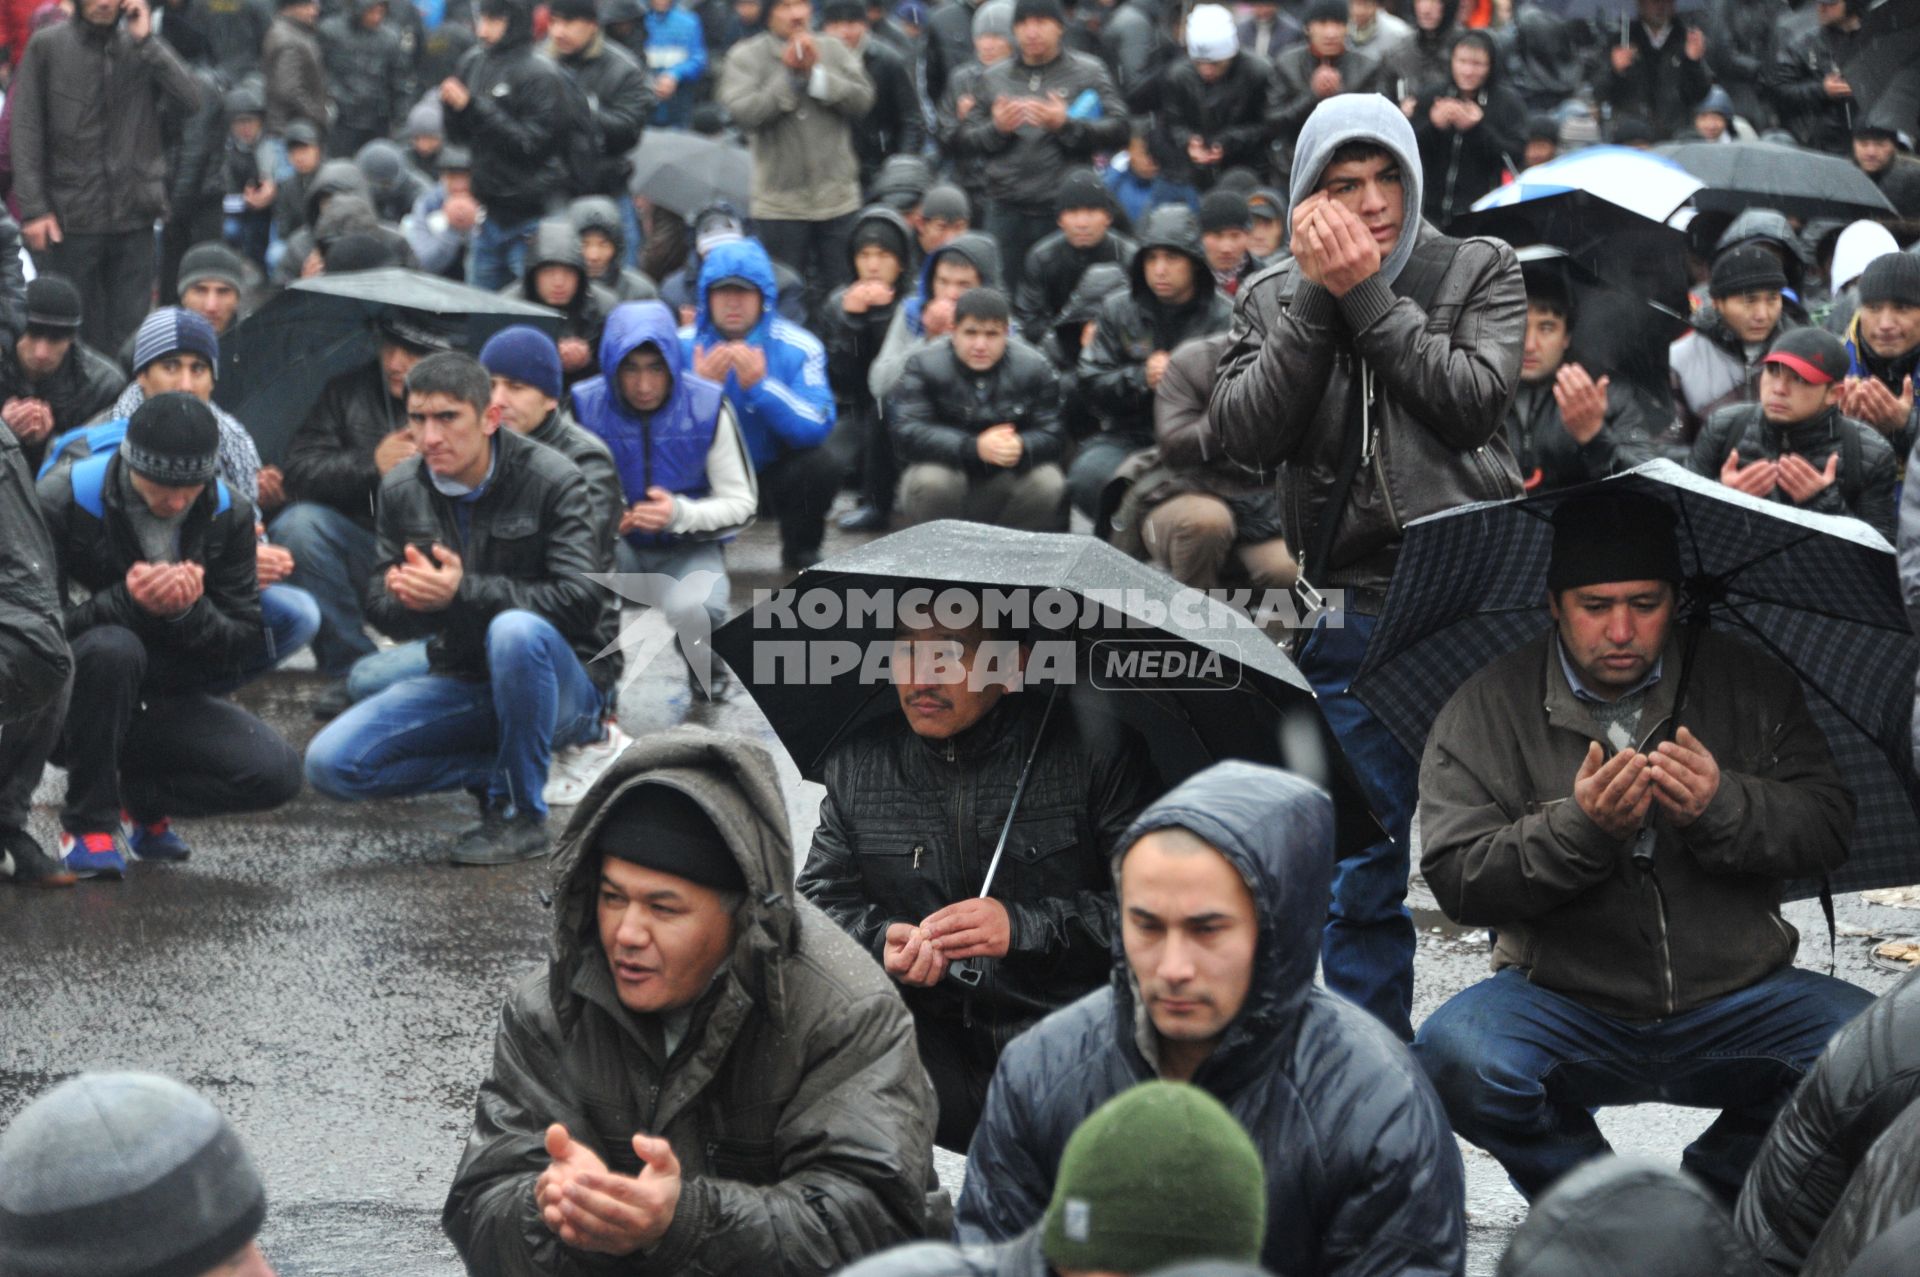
pixel 1019 789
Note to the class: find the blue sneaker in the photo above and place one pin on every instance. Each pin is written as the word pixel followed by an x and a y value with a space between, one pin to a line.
pixel 94 855
pixel 156 840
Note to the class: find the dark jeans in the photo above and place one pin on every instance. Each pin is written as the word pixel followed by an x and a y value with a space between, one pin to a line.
pixel 1017 230
pixel 114 273
pixel 156 753
pixel 25 746
pixel 816 251
pixel 289 618
pixel 1521 1069
pixel 798 488
pixel 332 559
pixel 959 1060
pixel 1093 467
pixel 1366 950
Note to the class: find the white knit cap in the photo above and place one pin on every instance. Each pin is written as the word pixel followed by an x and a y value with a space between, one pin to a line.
pixel 1212 35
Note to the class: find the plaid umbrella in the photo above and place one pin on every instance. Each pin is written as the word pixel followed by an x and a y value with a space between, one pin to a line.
pixel 1820 593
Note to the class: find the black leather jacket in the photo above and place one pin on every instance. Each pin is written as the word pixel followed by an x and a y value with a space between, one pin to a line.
pixel 1549 458
pixel 330 458
pixel 85 383
pixel 1230 114
pixel 908 827
pixel 513 123
pixel 1023 167
pixel 34 661
pixel 893 125
pixel 621 98
pixel 939 407
pixel 1442 379
pixel 1863 485
pixel 1054 268
pixel 1794 82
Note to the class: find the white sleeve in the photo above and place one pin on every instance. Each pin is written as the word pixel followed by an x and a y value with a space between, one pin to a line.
pixel 733 495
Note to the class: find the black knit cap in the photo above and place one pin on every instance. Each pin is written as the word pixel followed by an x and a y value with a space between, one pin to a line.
pixel 1891 277
pixel 1746 269
pixel 1082 188
pixel 1605 537
pixel 53 304
pixel 883 232
pixel 173 440
pixel 659 827
pixel 843 11
pixel 1224 211
pixel 1050 9
pixel 1325 11
pixel 573 10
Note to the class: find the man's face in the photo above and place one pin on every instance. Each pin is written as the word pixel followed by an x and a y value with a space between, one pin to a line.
pixel 1169 275
pixel 556 284
pixel 1751 315
pixel 214 300
pixel 396 361
pixel 598 251
pixel 245 129
pixel 664 936
pixel 1891 328
pixel 521 407
pixel 1085 227
pixel 1712 126
pixel 979 343
pixel 491 30
pixel 1546 345
pixel 1327 39
pixel 1212 70
pixel 570 35
pixel 1787 398
pixel 938 232
pixel 953 276
pixel 735 309
pixel 1656 13
pixel 1873 154
pixel 42 352
pixel 992 47
pixel 645 380
pixel 162 501
pixel 1140 159
pixel 1371 190
pixel 850 32
pixel 1265 238
pixel 873 262
pixel 181 370
pixel 1539 151
pixel 1471 66
pixel 1226 249
pixel 454 438
pixel 100 13
pixel 1613 632
pixel 1039 40
pixel 1429 13
pixel 1831 13
pixel 789 16
pixel 304 156
pixel 426 146
pixel 455 182
pixel 933 675
pixel 373 16
pixel 1188 924
pixel 1362 12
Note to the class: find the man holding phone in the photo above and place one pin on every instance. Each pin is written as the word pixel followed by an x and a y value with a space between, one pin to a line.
pixel 90 168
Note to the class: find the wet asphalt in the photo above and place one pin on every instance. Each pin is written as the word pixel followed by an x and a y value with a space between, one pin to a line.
pixel 325 976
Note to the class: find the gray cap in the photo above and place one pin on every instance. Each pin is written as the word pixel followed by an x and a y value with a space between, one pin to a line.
pixel 995 17
pixel 946 201
pixel 124 1175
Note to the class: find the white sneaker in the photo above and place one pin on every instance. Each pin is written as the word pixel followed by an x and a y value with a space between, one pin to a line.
pixel 575 768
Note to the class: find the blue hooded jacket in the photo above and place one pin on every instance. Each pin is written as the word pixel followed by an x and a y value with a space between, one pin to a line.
pixel 792 406
pixel 668 447
pixel 676 46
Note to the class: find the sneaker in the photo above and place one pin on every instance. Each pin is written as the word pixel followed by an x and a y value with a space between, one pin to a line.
pixel 154 840
pixel 575 768
pixel 500 839
pixel 22 861
pixel 333 701
pixel 864 518
pixel 95 855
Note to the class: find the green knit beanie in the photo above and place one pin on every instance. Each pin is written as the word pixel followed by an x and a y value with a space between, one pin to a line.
pixel 1158 1174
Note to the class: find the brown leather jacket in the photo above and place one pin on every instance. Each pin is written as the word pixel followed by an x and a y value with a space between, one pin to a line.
pixel 1441 378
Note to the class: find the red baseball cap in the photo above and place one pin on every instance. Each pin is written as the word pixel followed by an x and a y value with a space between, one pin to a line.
pixel 1816 354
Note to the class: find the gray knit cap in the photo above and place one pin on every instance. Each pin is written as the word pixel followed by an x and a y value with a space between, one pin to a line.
pixel 995 17
pixel 124 1175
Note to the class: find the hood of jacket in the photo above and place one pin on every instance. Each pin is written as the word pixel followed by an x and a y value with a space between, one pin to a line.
pixel 901 175
pixel 335 177
pixel 1855 250
pixel 555 243
pixel 897 227
pixel 598 213
pixel 519 33
pixel 631 326
pixel 1626 1217
pixel 1360 117
pixel 975 247
pixel 746 259
pixel 1276 829
pixel 736 784
pixel 1770 227
pixel 1097 283
pixel 1171 226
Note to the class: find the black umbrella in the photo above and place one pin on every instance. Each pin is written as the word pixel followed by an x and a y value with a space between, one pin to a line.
pixel 1884 68
pixel 1798 182
pixel 1819 593
pixel 1118 640
pixel 1616 333
pixel 1641 257
pixel 277 360
pixel 685 172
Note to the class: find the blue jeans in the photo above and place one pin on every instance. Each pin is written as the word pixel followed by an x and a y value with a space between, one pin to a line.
pixel 1366 950
pixel 497 253
pixel 372 675
pixel 289 619
pixel 1521 1069
pixel 332 559
pixel 434 733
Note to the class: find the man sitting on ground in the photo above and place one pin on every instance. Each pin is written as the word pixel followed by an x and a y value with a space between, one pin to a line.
pixel 1054 265
pixel 50 380
pixel 1883 341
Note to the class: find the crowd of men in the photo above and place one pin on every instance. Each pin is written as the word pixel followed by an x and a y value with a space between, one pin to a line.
pixel 1180 275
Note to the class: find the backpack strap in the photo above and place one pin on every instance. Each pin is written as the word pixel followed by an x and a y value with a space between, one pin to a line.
pixel 89 478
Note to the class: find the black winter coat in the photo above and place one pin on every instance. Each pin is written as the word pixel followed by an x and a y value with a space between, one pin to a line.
pixel 34 660
pixel 529 546
pixel 1290 98
pixel 215 636
pixel 1795 81
pixel 1740 40
pixel 1662 86
pixel 621 98
pixel 1054 268
pixel 1460 165
pixel 1622 1213
pixel 893 125
pixel 1869 1074
pixel 514 124
pixel 368 73
pixel 1023 168
pixel 940 406
pixel 1548 456
pixel 1360 1163
pixel 1230 114
pixel 896 806
pixel 949 38
pixel 1868 471
pixel 330 458
pixel 1881 1193
pixel 85 383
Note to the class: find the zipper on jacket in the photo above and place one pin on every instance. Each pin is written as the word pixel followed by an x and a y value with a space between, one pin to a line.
pixel 1369 452
pixel 1666 949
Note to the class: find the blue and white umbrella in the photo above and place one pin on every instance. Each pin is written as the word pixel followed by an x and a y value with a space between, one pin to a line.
pixel 1650 185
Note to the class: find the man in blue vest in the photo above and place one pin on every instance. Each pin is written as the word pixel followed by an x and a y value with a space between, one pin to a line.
pixel 683 467
pixel 165 553
pixel 775 374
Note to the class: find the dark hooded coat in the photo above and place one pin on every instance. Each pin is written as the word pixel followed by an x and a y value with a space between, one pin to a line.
pixel 1461 165
pixel 601 214
pixel 1623 1217
pixel 556 243
pixel 514 123
pixel 34 661
pixel 1883 1191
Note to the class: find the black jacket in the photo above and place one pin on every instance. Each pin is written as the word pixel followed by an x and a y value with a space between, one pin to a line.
pixel 556 243
pixel 1023 167
pixel 1882 1192
pixel 939 407
pixel 1133 325
pixel 1362 1171
pixel 854 341
pixel 1868 471
pixel 949 37
pixel 213 637
pixel 1740 42
pixel 34 660
pixel 368 72
pixel 621 98
pixel 1869 1074
pixel 530 544
pixel 1054 268
pixel 1460 165
pixel 1622 1213
pixel 894 124
pixel 1794 82
pixel 1548 456
pixel 1230 114
pixel 514 124
pixel 1542 59
pixel 85 383
pixel 1290 98
pixel 1663 85
pixel 330 458
pixel 908 827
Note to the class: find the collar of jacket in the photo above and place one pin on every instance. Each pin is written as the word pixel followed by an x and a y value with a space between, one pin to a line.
pixel 548 431
pixel 1565 711
pixel 586 53
pixel 1822 427
pixel 1000 724
pixel 1889 372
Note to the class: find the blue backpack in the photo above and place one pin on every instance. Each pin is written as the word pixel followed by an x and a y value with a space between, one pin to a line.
pixel 89 477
